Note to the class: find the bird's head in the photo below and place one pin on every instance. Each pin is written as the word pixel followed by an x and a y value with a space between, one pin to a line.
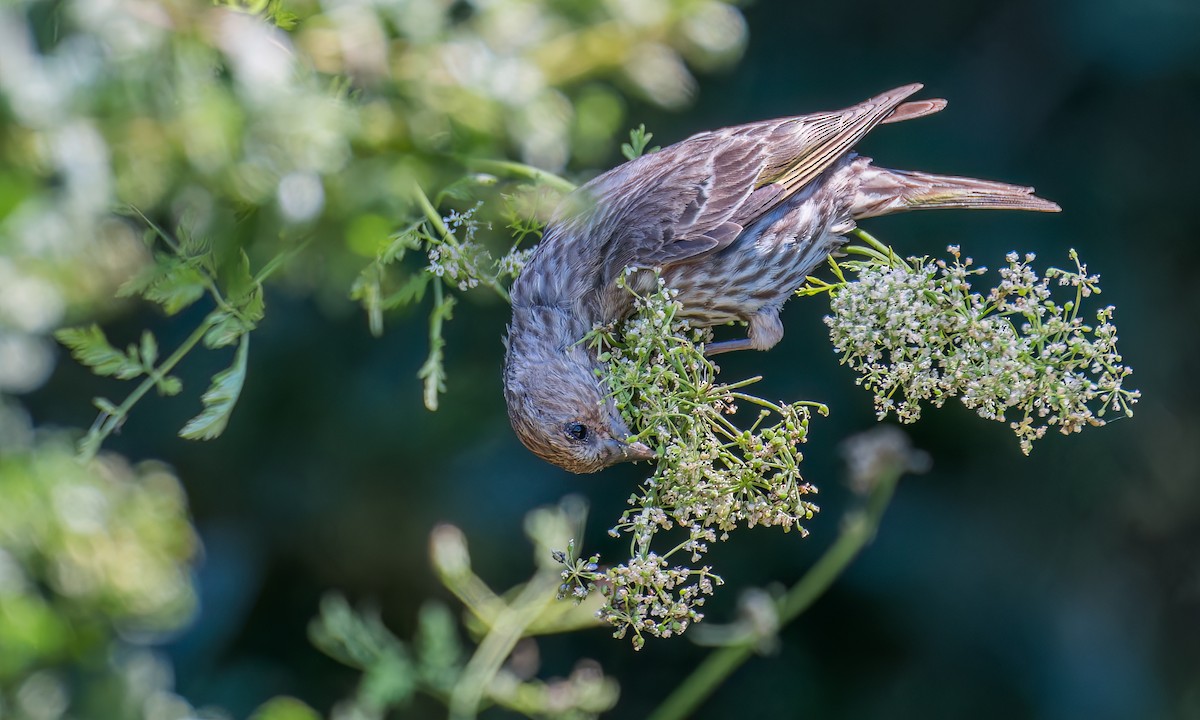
pixel 560 410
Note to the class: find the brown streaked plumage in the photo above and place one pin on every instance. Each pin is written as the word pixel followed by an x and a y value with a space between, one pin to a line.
pixel 735 219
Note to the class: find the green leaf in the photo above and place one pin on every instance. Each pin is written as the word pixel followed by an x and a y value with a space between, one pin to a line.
pixel 177 280
pixel 229 325
pixel 434 374
pixel 465 188
pixel 191 247
pixel 178 285
pixel 638 139
pixel 412 291
pixel 360 640
pixel 432 371
pixel 220 398
pixel 236 279
pixel 168 385
pixel 145 277
pixel 408 239
pixel 90 347
pixel 149 350
pixel 252 306
pixel 439 651
pixel 355 639
pixel 390 682
pixel 286 20
pixel 366 291
pixel 368 287
pixel 226 329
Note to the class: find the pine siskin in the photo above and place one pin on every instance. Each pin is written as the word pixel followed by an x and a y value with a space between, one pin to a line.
pixel 735 220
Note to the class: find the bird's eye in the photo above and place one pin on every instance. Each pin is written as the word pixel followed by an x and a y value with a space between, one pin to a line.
pixel 577 431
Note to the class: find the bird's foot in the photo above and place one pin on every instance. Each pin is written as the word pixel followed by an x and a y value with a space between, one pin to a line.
pixel 764 333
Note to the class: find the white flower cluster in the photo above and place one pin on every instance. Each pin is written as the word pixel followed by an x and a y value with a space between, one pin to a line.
pixel 916 332
pixel 712 476
pixel 514 262
pixel 647 595
pixel 458 256
pixel 456 262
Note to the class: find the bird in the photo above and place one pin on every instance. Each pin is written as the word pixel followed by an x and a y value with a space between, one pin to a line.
pixel 734 220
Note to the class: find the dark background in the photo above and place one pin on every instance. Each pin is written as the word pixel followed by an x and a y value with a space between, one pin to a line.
pixel 1063 585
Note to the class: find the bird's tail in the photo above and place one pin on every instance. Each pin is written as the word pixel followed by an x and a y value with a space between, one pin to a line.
pixel 882 192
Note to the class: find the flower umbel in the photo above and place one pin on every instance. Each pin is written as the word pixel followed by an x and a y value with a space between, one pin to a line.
pixel 916 332
pixel 712 476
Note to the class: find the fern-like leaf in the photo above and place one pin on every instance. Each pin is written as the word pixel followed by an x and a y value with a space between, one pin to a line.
pixel 433 372
pixel 220 398
pixel 90 347
pixel 638 140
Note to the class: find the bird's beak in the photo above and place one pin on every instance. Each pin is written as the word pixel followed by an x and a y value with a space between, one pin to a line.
pixel 638 451
pixel 628 452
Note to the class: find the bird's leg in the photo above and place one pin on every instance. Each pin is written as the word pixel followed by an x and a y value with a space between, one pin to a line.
pixel 765 331
pixel 728 346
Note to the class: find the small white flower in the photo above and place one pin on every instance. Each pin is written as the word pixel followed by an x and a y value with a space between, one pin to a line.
pixel 1011 349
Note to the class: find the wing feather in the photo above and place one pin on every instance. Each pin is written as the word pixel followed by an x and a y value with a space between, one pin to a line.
pixel 695 197
pixel 823 142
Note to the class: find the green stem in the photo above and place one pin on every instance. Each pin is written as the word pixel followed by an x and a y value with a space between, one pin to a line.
pixel 106 423
pixel 516 169
pixel 867 252
pixel 435 219
pixel 859 530
pixel 871 240
pixel 433 363
pixel 206 277
pixel 506 631
pixel 162 234
pixel 757 401
pixel 282 259
pixel 431 213
pixel 741 383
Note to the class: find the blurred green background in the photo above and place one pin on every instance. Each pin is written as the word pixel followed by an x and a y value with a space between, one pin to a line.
pixel 1062 585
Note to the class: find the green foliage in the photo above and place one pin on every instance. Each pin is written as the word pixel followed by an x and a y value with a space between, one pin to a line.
pixel 361 641
pixel 246 124
pixel 638 140
pixel 242 307
pixel 91 555
pixel 368 288
pixel 187 270
pixel 432 371
pixel 437 663
pixel 525 212
pixel 220 398
pixel 173 283
pixel 439 648
pixel 453 245
pixel 89 346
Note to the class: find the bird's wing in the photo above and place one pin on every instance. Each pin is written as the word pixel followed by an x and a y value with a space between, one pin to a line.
pixel 802 148
pixel 695 197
